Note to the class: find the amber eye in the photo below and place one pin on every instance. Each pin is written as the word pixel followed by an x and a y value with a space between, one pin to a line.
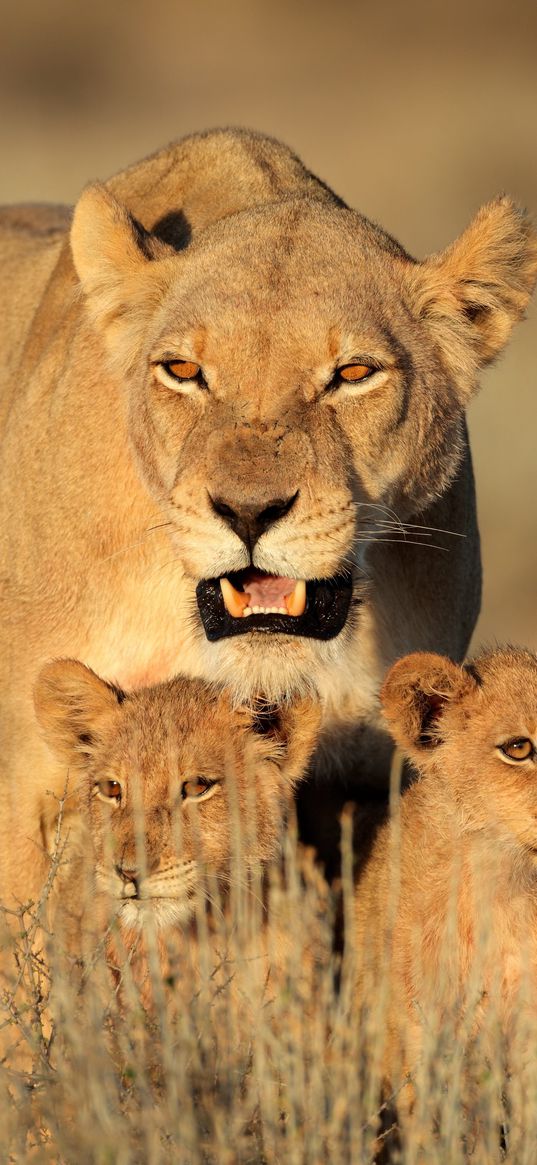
pixel 519 749
pixel 182 369
pixel 109 791
pixel 352 373
pixel 198 789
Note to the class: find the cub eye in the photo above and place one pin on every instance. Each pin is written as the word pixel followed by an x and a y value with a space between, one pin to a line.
pixel 352 373
pixel 182 369
pixel 198 789
pixel 109 791
pixel 519 749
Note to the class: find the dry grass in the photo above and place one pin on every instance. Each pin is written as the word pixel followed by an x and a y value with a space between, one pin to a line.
pixel 244 1056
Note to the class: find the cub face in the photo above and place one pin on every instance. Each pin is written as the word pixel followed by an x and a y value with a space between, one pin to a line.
pixel 473 729
pixel 166 777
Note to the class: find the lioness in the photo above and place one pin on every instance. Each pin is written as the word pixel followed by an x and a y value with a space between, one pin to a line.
pixel 169 782
pixel 446 906
pixel 233 435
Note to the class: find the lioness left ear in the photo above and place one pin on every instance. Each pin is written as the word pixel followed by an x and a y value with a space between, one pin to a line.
pixel 474 292
pixel 414 697
pixel 114 258
pixel 291 731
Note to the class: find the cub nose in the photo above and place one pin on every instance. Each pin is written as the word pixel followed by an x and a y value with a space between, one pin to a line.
pixel 250 521
pixel 130 877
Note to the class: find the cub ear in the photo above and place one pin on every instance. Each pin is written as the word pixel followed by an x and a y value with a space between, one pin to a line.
pixel 290 732
pixel 474 292
pixel 71 704
pixel 114 258
pixel 414 696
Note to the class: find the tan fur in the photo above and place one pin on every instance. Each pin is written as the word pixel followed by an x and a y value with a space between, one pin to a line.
pixel 243 261
pixel 446 906
pixel 150 853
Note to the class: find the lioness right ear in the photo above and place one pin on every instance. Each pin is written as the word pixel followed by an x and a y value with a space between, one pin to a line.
pixel 71 704
pixel 114 258
pixel 414 696
pixel 472 294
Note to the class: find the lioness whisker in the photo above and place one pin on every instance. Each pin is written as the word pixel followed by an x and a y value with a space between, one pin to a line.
pixel 416 529
pixel 398 523
pixel 404 542
pixel 377 506
pixel 139 542
pixel 433 529
pixel 399 535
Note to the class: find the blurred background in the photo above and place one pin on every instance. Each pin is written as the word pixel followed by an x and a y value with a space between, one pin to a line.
pixel 414 112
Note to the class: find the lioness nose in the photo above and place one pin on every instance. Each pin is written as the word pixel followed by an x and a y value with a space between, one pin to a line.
pixel 251 521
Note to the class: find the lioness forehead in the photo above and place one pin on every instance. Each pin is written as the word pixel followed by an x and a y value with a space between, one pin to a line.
pixel 284 227
pixel 298 258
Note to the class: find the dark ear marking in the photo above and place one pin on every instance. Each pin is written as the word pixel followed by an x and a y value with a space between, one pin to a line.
pixel 431 707
pixel 417 691
pixel 473 672
pixel 144 239
pixel 475 312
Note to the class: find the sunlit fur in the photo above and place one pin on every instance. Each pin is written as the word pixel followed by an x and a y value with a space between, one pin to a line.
pixel 243 262
pixel 146 852
pixel 446 906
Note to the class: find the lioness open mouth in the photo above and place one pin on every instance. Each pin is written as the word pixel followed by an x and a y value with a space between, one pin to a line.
pixel 250 600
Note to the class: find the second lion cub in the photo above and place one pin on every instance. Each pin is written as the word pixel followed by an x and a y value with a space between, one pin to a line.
pixel 446 908
pixel 171 783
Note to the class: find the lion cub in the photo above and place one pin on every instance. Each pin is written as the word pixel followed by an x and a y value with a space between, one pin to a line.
pixel 166 779
pixel 453 876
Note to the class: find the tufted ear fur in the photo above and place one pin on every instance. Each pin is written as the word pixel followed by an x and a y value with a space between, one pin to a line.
pixel 71 705
pixel 290 731
pixel 115 260
pixel 414 696
pixel 474 292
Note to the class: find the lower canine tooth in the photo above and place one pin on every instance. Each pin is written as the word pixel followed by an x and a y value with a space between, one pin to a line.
pixel 235 602
pixel 296 602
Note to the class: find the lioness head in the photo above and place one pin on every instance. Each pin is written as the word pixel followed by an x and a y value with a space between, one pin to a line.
pixel 473 728
pixel 165 774
pixel 292 379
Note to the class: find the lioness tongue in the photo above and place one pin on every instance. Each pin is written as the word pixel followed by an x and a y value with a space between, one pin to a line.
pixel 266 593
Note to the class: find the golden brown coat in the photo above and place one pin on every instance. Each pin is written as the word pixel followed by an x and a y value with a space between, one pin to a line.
pixel 224 250
pixel 178 795
pixel 446 905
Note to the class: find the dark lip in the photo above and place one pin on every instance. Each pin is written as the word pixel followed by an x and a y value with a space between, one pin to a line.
pixel 327 606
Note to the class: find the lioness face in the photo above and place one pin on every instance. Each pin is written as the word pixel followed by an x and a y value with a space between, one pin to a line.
pixel 294 381
pixel 474 729
pixel 171 780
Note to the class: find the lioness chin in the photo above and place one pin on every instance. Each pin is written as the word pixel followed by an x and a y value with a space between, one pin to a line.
pixel 238 410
